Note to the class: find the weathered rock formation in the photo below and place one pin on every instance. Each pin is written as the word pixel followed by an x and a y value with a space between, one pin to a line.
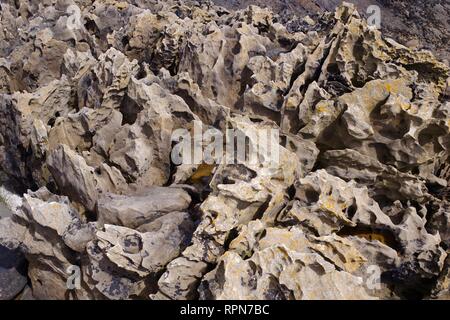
pixel 416 24
pixel 355 207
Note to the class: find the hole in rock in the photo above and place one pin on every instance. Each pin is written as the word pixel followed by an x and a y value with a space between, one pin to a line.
pixel 384 236
pixel 130 110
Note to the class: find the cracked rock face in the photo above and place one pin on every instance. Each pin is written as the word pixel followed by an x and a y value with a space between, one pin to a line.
pixel 414 24
pixel 356 205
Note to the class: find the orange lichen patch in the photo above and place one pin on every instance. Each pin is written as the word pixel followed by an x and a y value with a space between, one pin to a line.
pixel 388 87
pixel 384 237
pixel 79 207
pixel 372 236
pixel 405 106
pixel 322 108
pixel 121 5
pixel 331 204
pixel 203 170
pixel 291 103
pixel 394 87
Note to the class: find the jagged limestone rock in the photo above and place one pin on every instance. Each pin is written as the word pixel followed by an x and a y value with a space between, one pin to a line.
pixel 354 207
pixel 283 265
pixel 57 232
pixel 134 210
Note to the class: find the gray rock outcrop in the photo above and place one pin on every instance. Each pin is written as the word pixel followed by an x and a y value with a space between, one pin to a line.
pixel 356 205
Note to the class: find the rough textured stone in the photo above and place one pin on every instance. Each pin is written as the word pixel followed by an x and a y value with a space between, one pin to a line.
pixel 143 207
pixel 12 273
pixel 355 206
